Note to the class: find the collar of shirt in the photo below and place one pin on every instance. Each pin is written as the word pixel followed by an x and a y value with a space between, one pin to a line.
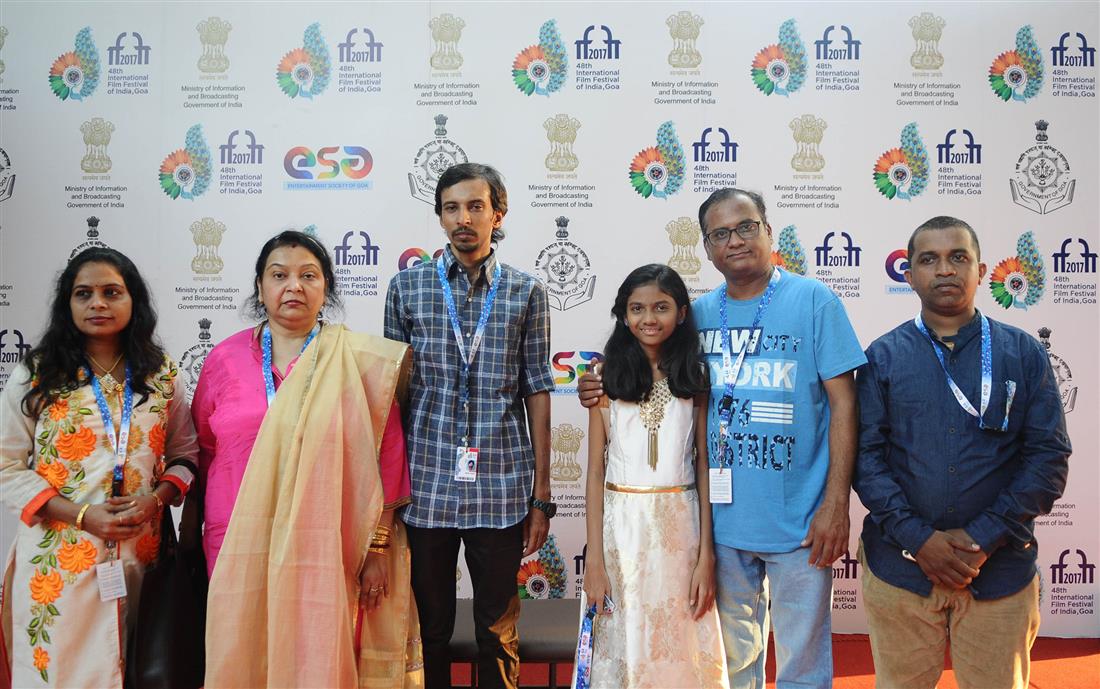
pixel 965 334
pixel 485 270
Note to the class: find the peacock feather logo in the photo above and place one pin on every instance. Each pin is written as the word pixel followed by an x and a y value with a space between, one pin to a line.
pixel 185 173
pixel 781 69
pixel 1021 279
pixel 1018 74
pixel 543 577
pixel 304 72
pixel 790 255
pixel 659 170
pixel 903 172
pixel 75 74
pixel 541 68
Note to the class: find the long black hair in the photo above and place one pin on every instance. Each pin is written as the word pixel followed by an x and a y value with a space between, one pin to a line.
pixel 252 305
pixel 59 355
pixel 627 374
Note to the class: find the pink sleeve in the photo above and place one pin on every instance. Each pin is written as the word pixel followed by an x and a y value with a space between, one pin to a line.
pixel 202 407
pixel 393 463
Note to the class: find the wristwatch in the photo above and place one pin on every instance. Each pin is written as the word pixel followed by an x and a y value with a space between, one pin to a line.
pixel 548 508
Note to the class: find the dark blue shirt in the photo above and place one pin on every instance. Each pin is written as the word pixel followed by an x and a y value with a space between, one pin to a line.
pixel 925 465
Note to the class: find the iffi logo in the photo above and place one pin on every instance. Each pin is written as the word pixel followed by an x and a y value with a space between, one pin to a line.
pixel 1087 58
pixel 724 151
pixel 847 567
pixel 825 51
pixel 117 56
pixel 946 154
pixel 845 257
pixel 11 352
pixel 1063 264
pixel 609 51
pixel 366 254
pixel 369 50
pixel 414 256
pixel 897 262
pixel 572 365
pixel 252 155
pixel 1059 575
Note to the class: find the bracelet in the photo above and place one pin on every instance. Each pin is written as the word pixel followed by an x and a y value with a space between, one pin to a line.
pixel 380 549
pixel 80 517
pixel 160 503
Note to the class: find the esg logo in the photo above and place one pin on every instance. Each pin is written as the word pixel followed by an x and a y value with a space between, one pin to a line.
pixel 571 365
pixel 300 161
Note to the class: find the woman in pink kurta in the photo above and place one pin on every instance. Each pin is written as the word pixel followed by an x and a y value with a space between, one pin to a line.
pixel 228 408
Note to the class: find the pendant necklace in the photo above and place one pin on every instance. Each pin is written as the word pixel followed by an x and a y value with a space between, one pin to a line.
pixel 107 381
pixel 652 411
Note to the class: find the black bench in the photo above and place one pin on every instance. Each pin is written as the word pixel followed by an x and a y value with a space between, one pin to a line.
pixel 547 634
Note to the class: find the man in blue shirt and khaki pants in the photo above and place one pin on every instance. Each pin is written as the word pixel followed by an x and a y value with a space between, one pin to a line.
pixel 962 444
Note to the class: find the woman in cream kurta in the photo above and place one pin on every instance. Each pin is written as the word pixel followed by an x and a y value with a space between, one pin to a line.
pixel 57 632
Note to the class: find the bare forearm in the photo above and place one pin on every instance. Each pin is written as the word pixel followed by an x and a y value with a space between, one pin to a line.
pixel 843 437
pixel 538 424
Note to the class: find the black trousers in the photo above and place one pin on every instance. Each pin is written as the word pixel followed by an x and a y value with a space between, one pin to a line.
pixel 492 556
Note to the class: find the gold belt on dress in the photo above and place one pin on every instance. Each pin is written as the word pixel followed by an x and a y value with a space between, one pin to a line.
pixel 620 488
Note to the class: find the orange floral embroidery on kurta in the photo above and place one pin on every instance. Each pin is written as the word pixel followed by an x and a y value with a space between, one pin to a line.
pixel 76 446
pixel 157 436
pixel 45 588
pixel 41 659
pixel 77 557
pixel 55 473
pixel 148 546
pixel 59 410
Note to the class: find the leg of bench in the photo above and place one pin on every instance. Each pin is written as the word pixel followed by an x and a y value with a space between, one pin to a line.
pixel 552 682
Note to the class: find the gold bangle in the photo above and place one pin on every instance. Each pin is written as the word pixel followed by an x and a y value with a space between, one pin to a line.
pixel 80 517
pixel 381 550
pixel 160 503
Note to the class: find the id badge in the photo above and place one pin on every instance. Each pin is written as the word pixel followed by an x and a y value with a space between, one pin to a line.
pixel 721 486
pixel 466 464
pixel 112 582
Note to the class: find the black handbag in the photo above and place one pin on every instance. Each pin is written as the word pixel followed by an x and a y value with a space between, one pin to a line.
pixel 167 649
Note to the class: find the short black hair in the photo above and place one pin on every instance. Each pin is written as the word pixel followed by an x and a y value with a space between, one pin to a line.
pixel 252 305
pixel 726 194
pixel 944 222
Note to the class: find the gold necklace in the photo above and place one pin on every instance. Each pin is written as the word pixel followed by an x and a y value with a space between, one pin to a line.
pixel 107 382
pixel 652 411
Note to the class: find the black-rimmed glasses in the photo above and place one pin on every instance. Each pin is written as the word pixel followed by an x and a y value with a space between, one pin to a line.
pixel 748 229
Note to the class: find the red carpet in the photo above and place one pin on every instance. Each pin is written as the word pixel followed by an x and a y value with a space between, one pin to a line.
pixel 1055 664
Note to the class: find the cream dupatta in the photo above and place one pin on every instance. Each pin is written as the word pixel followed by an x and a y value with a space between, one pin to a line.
pixel 284 596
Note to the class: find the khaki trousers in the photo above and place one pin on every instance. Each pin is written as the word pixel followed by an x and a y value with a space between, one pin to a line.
pixel 990 639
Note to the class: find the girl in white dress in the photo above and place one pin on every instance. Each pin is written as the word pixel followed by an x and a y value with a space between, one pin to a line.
pixel 650 546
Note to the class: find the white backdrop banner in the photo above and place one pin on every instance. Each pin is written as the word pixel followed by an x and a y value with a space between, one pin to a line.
pixel 185 134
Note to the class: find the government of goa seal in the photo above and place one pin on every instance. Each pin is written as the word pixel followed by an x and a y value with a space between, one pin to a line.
pixel 432 160
pixel 566 271
pixel 1041 182
pixel 192 360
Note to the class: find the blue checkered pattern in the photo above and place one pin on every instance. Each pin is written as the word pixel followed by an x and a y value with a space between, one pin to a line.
pixel 512 363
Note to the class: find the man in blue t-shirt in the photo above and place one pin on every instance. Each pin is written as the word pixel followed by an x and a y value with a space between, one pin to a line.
pixel 782 433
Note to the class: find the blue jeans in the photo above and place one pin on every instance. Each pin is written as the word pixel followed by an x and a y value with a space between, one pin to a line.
pixel 801 604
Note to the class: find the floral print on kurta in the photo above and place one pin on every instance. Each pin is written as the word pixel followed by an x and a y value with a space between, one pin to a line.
pixel 58 622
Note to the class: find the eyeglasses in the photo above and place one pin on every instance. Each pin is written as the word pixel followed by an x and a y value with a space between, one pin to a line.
pixel 748 229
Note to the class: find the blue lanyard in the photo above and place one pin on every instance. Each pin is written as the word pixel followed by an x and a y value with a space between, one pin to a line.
pixel 269 378
pixel 731 368
pixel 120 444
pixel 584 650
pixel 467 355
pixel 987 377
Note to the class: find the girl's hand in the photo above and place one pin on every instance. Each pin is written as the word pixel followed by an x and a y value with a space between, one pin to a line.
pixel 114 520
pixel 596 586
pixel 374 581
pixel 702 586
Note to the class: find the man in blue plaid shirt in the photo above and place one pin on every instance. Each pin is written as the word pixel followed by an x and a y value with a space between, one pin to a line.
pixel 480 336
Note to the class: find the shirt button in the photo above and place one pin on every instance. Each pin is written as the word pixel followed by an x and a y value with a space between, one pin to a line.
pixel 950 510
pixel 469 299
pixel 949 430
pixel 468 334
pixel 951 469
